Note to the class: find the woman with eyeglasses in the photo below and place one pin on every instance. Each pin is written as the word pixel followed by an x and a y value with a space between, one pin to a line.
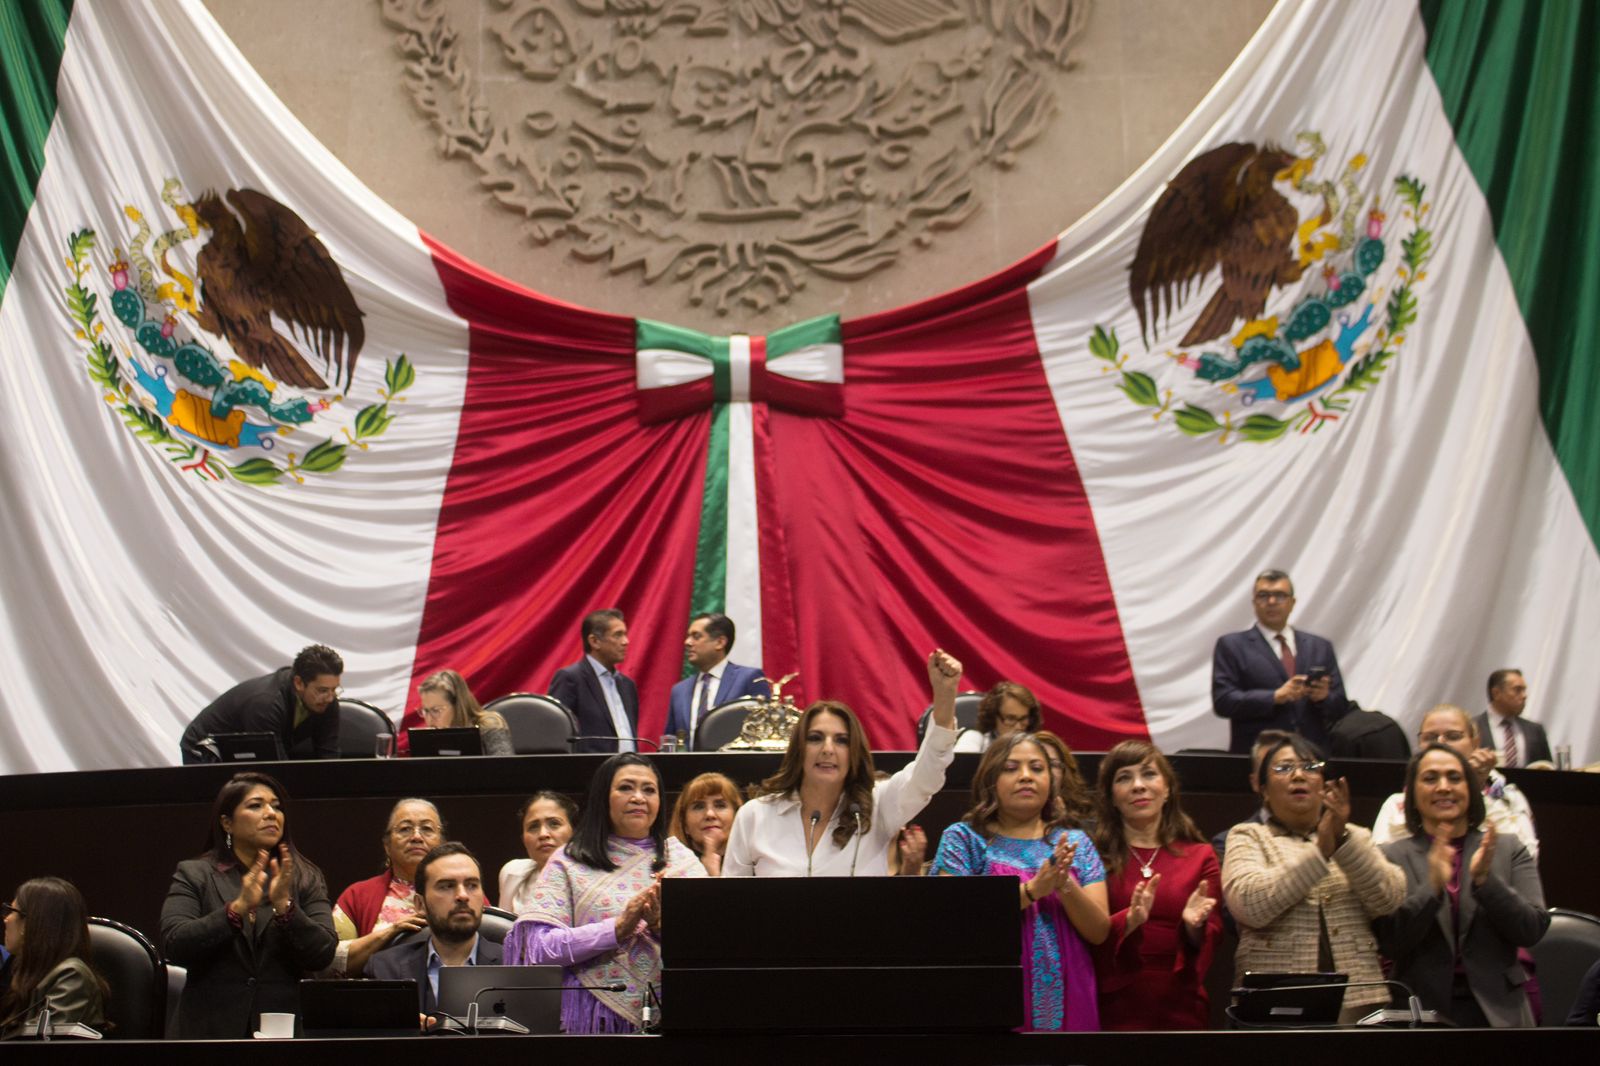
pixel 248 917
pixel 1305 885
pixel 1505 807
pixel 47 937
pixel 1005 709
pixel 1473 899
pixel 371 913
pixel 447 703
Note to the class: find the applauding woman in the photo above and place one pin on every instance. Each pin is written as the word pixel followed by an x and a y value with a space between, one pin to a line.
pixel 1014 829
pixel 1472 899
pixel 1162 880
pixel 824 813
pixel 597 907
pixel 47 936
pixel 703 816
pixel 248 918
pixel 1305 885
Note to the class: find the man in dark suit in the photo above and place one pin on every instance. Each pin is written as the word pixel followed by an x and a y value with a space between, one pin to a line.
pixel 715 680
pixel 604 700
pixel 298 704
pixel 450 883
pixel 1274 676
pixel 1515 740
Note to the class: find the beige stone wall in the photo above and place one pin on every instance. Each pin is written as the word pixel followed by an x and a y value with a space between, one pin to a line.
pixel 1136 70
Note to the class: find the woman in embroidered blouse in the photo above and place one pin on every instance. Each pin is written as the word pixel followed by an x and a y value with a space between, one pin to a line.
pixel 547 820
pixel 370 914
pixel 1163 882
pixel 1016 829
pixel 47 936
pixel 824 813
pixel 1305 885
pixel 447 703
pixel 703 816
pixel 597 908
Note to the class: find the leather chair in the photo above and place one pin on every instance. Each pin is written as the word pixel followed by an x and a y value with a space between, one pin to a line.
pixel 1563 955
pixel 539 724
pixel 359 725
pixel 966 714
pixel 137 1007
pixel 496 926
pixel 723 723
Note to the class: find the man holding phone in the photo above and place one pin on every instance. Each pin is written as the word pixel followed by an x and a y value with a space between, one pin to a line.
pixel 1273 676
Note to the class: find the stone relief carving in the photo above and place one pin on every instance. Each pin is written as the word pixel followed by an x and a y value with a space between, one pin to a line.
pixel 735 147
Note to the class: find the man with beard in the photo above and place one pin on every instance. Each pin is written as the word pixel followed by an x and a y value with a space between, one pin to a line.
pixel 451 886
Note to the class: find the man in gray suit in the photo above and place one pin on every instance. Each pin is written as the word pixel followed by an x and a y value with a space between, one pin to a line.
pixel 1516 740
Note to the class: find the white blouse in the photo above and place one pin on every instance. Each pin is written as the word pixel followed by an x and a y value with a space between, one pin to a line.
pixel 769 834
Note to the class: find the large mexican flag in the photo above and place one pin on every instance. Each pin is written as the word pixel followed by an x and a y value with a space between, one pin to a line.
pixel 1342 324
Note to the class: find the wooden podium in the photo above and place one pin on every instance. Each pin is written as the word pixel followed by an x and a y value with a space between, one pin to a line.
pixel 840 954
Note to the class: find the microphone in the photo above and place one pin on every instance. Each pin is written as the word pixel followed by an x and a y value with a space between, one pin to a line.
pixel 612 738
pixel 816 816
pixel 855 812
pixel 650 1009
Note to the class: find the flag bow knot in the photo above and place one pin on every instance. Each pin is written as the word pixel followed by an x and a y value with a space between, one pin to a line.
pixel 799 368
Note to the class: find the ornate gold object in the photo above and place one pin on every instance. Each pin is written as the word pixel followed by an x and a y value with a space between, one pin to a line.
pixel 770 722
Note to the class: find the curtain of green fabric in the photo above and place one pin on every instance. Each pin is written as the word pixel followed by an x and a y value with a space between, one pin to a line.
pixel 32 38
pixel 1521 86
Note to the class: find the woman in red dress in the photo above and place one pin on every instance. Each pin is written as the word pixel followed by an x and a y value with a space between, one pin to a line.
pixel 1163 881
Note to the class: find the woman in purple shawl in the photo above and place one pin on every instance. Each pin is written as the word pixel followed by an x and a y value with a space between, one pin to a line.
pixel 597 906
pixel 1017 828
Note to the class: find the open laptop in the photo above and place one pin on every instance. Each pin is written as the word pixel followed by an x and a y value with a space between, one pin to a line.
pixel 1289 999
pixel 463 741
pixel 247 747
pixel 529 996
pixel 359 1008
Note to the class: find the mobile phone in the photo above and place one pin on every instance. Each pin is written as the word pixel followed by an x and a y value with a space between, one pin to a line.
pixel 1315 674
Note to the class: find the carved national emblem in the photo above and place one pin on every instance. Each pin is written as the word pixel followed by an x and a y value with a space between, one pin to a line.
pixel 738 147
pixel 226 355
pixel 1303 304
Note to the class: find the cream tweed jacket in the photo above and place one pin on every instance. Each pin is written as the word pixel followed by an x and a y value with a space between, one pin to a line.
pixel 1276 882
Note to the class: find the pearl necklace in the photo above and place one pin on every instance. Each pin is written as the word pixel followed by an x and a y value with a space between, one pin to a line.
pixel 1145 865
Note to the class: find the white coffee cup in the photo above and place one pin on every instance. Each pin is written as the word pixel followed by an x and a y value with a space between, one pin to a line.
pixel 276 1026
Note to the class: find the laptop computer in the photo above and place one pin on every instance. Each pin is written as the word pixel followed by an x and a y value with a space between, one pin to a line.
pixel 529 996
pixel 247 747
pixel 463 741
pixel 359 1008
pixel 1289 999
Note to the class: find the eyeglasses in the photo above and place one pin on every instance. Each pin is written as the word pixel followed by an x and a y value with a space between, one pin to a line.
pixel 1449 736
pixel 1273 596
pixel 319 691
pixel 405 830
pixel 1284 769
pixel 1018 721
pixel 6 908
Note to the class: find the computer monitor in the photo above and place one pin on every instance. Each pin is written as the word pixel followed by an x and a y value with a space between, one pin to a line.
pixel 1289 1000
pixel 454 741
pixel 247 747
pixel 359 1008
pixel 528 995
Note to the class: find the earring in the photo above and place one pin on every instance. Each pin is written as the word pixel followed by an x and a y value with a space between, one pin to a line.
pixel 229 837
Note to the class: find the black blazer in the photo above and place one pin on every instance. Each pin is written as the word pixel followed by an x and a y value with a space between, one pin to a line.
pixel 1497 917
pixel 579 691
pixel 1535 742
pixel 409 962
pixel 265 704
pixel 1246 671
pixel 236 974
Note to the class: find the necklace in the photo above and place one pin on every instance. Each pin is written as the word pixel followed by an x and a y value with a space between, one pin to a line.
pixel 1145 870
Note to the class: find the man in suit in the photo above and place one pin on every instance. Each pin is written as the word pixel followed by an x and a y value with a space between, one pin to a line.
pixel 715 680
pixel 450 883
pixel 1273 676
pixel 1516 741
pixel 604 700
pixel 298 704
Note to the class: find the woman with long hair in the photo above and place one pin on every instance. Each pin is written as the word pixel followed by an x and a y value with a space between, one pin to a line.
pixel 1162 884
pixel 248 918
pixel 47 936
pixel 370 914
pixel 597 908
pixel 547 819
pixel 824 812
pixel 1016 828
pixel 447 703
pixel 703 816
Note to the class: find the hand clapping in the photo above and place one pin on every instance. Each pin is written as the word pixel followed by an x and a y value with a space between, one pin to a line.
pixel 1197 909
pixel 281 871
pixel 1483 858
pixel 252 889
pixel 1055 874
pixel 1441 863
pixel 1144 897
pixel 1335 815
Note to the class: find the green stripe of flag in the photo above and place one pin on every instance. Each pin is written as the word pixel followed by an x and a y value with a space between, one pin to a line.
pixel 710 591
pixel 32 40
pixel 823 329
pixel 1521 87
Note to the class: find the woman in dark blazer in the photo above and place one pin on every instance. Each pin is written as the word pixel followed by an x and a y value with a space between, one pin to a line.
pixel 1472 899
pixel 248 919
